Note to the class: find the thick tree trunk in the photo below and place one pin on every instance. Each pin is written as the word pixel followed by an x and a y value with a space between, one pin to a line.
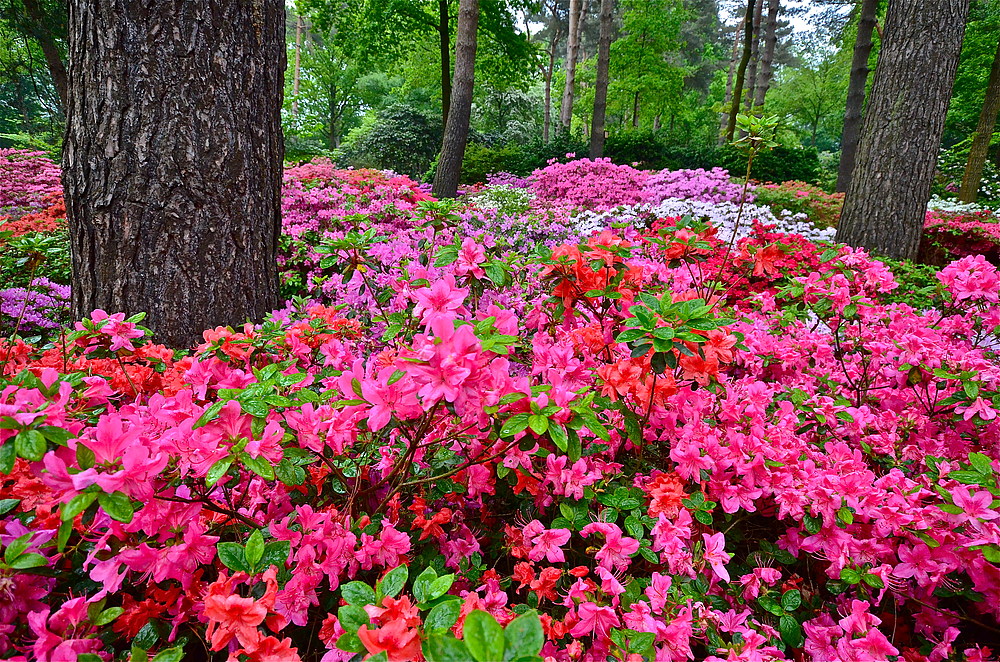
pixel 886 201
pixel 172 160
pixel 754 56
pixel 984 134
pixel 770 39
pixel 733 58
pixel 456 132
pixel 444 46
pixel 856 93
pixel 741 71
pixel 572 46
pixel 53 59
pixel 601 90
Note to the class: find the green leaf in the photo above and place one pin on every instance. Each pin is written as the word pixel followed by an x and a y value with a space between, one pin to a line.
pixel 640 642
pixel 874 581
pixel 791 631
pixel 484 636
pixel 289 473
pixel 523 636
pixel 117 505
pixel 85 457
pixel 350 642
pixel 850 576
pixel 259 465
pixel 7 456
pixel 352 618
pixel 26 561
pixel 513 425
pixel 17 547
pixel 393 582
pixel 233 556
pixel 981 463
pixel 495 272
pixel 630 335
pixel 443 616
pixel 77 505
pixel 557 433
pixel 7 505
pixel 538 424
pixel 422 584
pixel 440 586
pixel 358 593
pixel 108 615
pixel 791 600
pixel 209 414
pixel 30 445
pixel 254 550
pixel 442 648
pixel 845 515
pixel 175 654
pixel 275 553
pixel 218 470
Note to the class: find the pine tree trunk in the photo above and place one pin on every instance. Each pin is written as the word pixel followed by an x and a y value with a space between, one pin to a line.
pixel 754 56
pixel 733 59
pixel 456 132
pixel 984 135
pixel 770 39
pixel 572 46
pixel 444 47
pixel 53 59
pixel 856 93
pixel 886 201
pixel 741 71
pixel 601 91
pixel 173 160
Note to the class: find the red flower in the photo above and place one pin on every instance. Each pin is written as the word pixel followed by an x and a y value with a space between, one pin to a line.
pixel 401 643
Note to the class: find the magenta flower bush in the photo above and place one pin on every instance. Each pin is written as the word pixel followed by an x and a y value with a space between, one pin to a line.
pixel 28 181
pixel 635 445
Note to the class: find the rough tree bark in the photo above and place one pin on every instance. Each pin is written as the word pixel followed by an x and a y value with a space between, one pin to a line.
pixel 770 38
pixel 741 71
pixel 887 198
pixel 981 139
pixel 601 89
pixel 444 47
pixel 754 56
pixel 172 160
pixel 856 93
pixel 456 132
pixel 572 46
pixel 53 59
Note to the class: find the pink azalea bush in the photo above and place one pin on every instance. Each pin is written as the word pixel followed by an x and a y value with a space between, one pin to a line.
pixel 639 444
pixel 28 181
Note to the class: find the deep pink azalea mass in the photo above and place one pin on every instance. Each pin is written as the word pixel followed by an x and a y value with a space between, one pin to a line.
pixel 670 447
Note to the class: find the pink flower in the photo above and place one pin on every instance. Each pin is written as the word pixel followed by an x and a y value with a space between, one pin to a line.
pixel 976 506
pixel 546 543
pixel 981 407
pixel 715 554
pixel 595 620
pixel 442 298
pixel 617 549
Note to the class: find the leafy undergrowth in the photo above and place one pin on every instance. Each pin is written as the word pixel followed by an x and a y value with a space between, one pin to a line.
pixel 461 442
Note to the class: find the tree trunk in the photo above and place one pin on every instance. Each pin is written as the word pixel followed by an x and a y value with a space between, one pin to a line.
pixel 334 112
pixel 456 132
pixel 856 93
pixel 172 175
pixel 635 110
pixel 553 47
pixel 754 56
pixel 601 90
pixel 741 71
pixel 53 59
pixel 572 45
pixel 886 201
pixel 444 45
pixel 727 99
pixel 770 39
pixel 983 136
pixel 298 65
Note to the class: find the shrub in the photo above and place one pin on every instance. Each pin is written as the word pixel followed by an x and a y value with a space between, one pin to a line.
pixel 822 208
pixel 401 138
pixel 948 236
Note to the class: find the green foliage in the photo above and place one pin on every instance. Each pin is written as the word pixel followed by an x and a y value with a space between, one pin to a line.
pixel 918 284
pixel 399 138
pixel 822 208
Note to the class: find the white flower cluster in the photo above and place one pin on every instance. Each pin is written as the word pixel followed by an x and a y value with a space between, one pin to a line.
pixel 938 203
pixel 722 215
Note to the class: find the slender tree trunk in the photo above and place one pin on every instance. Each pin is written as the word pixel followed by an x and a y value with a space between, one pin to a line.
pixel 298 65
pixel 53 59
pixel 172 179
pixel 856 93
pixel 334 119
pixel 635 110
pixel 752 66
pixel 444 46
pixel 983 136
pixel 887 198
pixel 456 132
pixel 733 59
pixel 741 71
pixel 770 39
pixel 601 91
pixel 572 45
pixel 553 48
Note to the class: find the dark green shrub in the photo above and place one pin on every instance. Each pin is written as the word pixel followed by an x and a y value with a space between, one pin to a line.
pixel 917 284
pixel 401 138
